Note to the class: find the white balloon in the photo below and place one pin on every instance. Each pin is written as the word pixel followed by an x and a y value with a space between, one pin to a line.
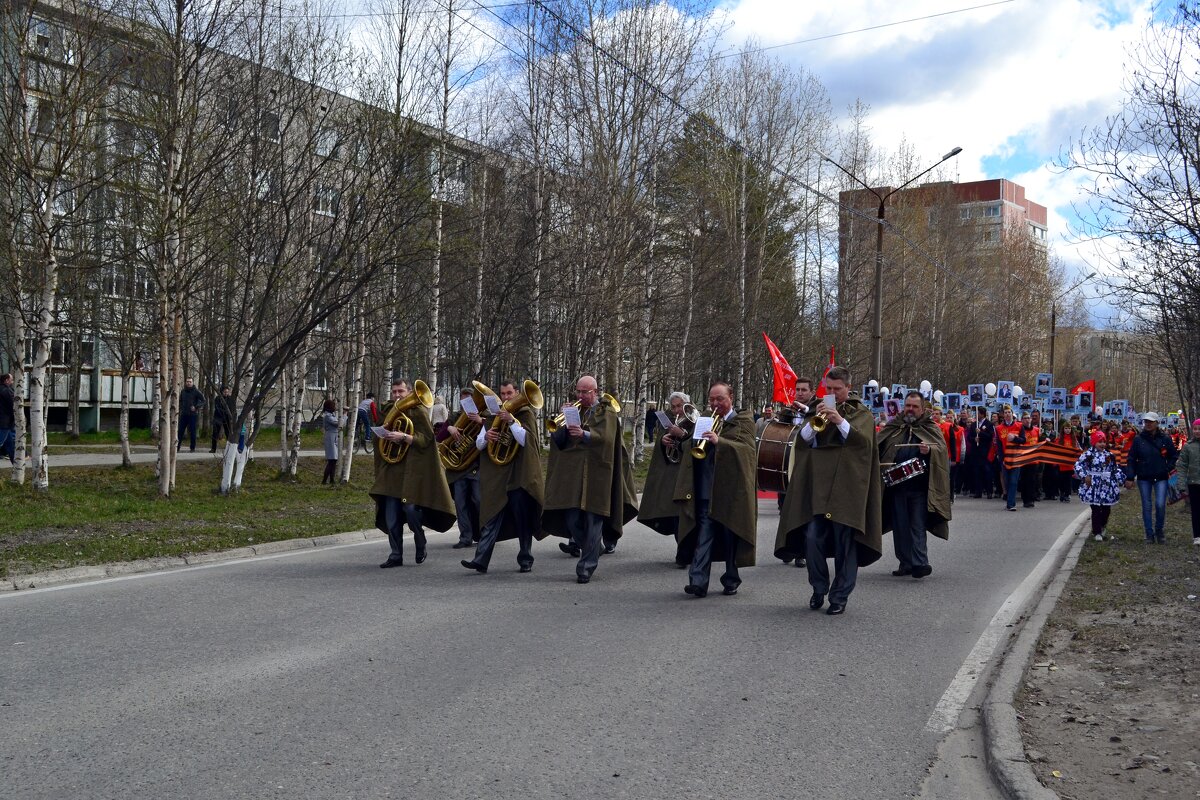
pixel 938 395
pixel 874 384
pixel 990 389
pixel 884 390
pixel 926 386
pixel 1018 391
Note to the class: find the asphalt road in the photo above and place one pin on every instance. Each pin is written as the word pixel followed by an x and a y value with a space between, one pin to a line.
pixel 318 675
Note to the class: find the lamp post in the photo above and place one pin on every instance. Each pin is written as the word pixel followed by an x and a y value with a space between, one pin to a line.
pixel 1054 312
pixel 877 303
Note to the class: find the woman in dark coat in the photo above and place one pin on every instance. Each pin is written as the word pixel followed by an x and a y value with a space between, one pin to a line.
pixel 330 424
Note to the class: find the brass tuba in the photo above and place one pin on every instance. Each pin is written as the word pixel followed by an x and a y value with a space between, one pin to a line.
pixel 397 420
pixel 673 452
pixel 700 448
pixel 502 452
pixel 557 421
pixel 458 454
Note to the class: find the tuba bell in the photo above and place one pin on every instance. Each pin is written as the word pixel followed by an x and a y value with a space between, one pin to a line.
pixel 458 454
pixel 397 420
pixel 557 421
pixel 502 452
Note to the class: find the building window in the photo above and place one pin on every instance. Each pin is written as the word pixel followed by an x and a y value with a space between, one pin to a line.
pixel 266 186
pixel 964 213
pixel 1037 233
pixel 61 352
pixel 325 201
pixel 327 144
pixel 317 377
pixel 992 210
pixel 989 235
pixel 269 126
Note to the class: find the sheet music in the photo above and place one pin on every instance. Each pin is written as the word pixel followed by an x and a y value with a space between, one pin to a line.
pixel 663 419
pixel 703 426
pixel 493 403
pixel 467 405
pixel 571 416
pixel 379 431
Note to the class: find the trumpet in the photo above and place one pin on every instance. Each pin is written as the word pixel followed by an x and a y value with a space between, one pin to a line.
pixel 397 420
pixel 672 451
pixel 820 421
pixel 700 448
pixel 559 419
pixel 458 454
pixel 505 450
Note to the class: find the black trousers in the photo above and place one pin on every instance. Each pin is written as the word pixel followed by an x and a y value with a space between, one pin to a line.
pixel 1194 504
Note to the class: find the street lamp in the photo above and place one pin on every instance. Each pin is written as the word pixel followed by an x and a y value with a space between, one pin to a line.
pixel 877 328
pixel 1054 312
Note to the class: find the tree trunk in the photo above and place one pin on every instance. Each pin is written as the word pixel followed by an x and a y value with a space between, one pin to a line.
pixel 40 372
pixel 18 372
pixel 351 409
pixel 123 424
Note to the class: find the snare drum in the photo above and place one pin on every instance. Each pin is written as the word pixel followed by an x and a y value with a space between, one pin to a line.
pixel 775 456
pixel 899 473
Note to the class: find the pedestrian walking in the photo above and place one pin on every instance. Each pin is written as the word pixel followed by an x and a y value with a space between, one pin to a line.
pixel 1188 468
pixel 331 423
pixel 1099 482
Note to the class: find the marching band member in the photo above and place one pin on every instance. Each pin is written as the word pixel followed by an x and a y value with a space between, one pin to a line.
pixel 836 518
pixel 512 493
pixel 412 490
pixel 801 408
pixel 588 484
pixel 464 485
pixel 718 507
pixel 920 503
pixel 657 509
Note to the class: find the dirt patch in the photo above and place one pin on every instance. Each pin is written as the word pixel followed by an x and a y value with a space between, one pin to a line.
pixel 1111 705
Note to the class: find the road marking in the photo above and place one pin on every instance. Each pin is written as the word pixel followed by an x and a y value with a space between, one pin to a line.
pixel 176 570
pixel 945 714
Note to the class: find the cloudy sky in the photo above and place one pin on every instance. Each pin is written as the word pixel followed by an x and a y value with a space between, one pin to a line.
pixel 1010 82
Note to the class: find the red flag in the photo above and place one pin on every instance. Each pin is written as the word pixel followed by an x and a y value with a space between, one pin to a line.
pixel 785 376
pixel 821 383
pixel 1085 386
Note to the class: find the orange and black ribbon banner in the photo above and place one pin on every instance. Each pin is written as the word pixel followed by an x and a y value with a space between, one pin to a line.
pixel 1021 455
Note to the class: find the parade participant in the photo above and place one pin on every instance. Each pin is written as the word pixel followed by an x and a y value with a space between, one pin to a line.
pixel 1100 482
pixel 834 496
pixel 1009 432
pixel 413 489
pixel 1151 458
pixel 464 484
pixel 921 503
pixel 1030 482
pixel 512 493
pixel 718 509
pixel 980 435
pixel 1188 468
pixel 657 508
pixel 587 496
pixel 801 409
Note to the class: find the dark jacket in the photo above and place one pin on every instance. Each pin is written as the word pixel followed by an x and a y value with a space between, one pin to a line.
pixel 1151 457
pixel 191 401
pixel 8 408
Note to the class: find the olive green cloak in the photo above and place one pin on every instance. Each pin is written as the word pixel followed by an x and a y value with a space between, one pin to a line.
pixel 523 472
pixel 657 509
pixel 593 476
pixel 419 478
pixel 838 481
pixel 734 501
pixel 937 520
pixel 789 514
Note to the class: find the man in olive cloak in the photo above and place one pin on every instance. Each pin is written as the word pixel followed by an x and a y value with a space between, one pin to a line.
pixel 657 508
pixel 718 506
pixel 833 499
pixel 414 489
pixel 920 503
pixel 589 487
pixel 511 494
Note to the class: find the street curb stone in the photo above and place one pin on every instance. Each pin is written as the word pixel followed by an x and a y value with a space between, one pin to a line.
pixel 166 563
pixel 1005 750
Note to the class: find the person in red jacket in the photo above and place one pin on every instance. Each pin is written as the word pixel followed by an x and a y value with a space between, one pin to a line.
pixel 1008 433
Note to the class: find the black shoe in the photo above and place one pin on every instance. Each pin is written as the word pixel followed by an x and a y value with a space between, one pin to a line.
pixel 921 572
pixel 459 545
pixel 609 549
pixel 800 562
pixel 1027 505
pixel 835 609
pixel 729 591
pixel 421 556
pixel 392 562
pixel 787 560
pixel 682 566
pixel 816 601
pixel 899 573
pixel 569 549
pixel 582 578
pixel 695 591
pixel 480 568
pixel 526 568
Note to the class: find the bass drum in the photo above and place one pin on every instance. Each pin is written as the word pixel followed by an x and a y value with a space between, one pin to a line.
pixel 775 456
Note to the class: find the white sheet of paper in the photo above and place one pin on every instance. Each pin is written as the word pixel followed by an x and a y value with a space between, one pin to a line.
pixel 379 431
pixel 828 401
pixel 663 419
pixel 703 426
pixel 493 403
pixel 467 404
pixel 571 416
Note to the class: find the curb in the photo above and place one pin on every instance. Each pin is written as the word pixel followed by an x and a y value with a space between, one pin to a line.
pixel 1003 746
pixel 58 577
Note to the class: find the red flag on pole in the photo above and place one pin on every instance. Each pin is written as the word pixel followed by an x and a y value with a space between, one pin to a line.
pixel 821 383
pixel 1085 386
pixel 785 376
